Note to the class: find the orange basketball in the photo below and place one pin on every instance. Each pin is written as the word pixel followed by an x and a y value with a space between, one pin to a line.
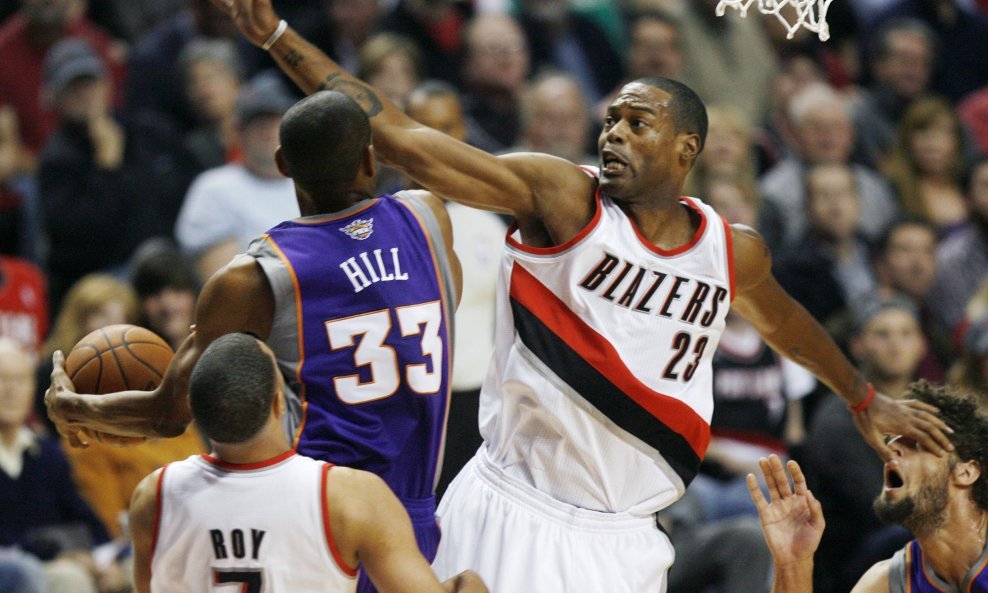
pixel 118 358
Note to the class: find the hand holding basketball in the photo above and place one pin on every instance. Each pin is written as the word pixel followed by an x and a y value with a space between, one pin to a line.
pixel 117 358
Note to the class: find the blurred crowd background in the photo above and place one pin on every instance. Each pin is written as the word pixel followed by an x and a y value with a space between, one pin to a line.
pixel 136 157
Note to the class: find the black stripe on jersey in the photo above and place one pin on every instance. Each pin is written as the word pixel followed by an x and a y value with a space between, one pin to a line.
pixel 603 395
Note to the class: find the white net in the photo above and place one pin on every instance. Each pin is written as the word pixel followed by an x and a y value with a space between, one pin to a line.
pixel 793 14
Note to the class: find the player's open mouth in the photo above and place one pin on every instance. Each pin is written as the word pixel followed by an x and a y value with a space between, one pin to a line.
pixel 893 479
pixel 612 163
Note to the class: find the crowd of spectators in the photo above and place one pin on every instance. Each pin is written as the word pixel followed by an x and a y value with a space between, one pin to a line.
pixel 136 157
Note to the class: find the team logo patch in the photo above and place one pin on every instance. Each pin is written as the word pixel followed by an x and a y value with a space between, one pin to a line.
pixel 359 229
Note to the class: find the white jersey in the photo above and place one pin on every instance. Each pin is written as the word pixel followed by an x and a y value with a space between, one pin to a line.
pixel 600 391
pixel 256 528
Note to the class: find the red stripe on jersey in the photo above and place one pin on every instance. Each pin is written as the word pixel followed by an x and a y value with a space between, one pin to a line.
pixel 248 466
pixel 327 525
pixel 682 248
pixel 157 517
pixel 601 355
pixel 591 225
pixel 729 242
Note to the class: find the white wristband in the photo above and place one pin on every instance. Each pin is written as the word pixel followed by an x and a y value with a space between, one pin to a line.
pixel 278 32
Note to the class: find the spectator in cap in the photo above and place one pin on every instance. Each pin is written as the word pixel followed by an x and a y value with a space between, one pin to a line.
pixel 228 206
pixel 106 183
pixel 887 345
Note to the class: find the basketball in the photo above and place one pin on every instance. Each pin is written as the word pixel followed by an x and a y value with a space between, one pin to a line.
pixel 118 358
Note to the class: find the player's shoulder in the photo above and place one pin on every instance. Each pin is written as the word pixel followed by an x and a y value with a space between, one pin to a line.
pixel 875 579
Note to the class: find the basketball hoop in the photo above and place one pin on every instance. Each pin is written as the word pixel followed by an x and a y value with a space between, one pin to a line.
pixel 810 14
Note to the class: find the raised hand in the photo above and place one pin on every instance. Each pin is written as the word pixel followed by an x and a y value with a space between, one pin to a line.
pixel 256 19
pixel 792 519
pixel 58 400
pixel 911 418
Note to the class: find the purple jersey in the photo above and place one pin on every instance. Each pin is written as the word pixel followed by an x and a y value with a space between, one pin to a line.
pixel 362 328
pixel 909 572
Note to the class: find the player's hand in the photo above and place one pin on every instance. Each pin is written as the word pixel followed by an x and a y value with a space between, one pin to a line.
pixel 60 399
pixel 256 19
pixel 912 418
pixel 466 582
pixel 792 518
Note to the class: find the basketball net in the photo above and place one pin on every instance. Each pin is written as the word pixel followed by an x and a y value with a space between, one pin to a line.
pixel 809 14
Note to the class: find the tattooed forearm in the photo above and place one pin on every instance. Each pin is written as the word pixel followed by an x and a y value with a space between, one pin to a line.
pixel 356 90
pixel 293 58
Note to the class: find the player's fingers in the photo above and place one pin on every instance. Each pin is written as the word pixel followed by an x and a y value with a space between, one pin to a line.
pixel 75 437
pixel 930 437
pixel 769 476
pixel 798 479
pixel 929 413
pixel 756 493
pixel 779 473
pixel 816 509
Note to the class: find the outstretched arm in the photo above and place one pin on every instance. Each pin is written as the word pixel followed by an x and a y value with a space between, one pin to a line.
pixel 792 522
pixel 525 185
pixel 791 330
pixel 141 519
pixel 371 527
pixel 237 298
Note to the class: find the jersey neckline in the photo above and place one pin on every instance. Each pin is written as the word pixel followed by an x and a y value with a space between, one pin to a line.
pixel 212 460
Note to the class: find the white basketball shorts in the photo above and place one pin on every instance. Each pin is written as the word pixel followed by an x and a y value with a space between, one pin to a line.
pixel 520 539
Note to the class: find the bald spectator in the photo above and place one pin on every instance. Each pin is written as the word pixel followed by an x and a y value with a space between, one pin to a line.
pixel 25 38
pixel 824 134
pixel 496 63
pixel 555 119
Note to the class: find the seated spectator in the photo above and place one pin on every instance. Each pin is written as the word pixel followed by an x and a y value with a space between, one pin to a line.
pixel 213 74
pixel 438 28
pixel 555 119
pixel 94 301
pixel 821 121
pixel 392 64
pixel 495 66
pixel 154 84
pixel 20 214
pixel 655 49
pixel 971 369
pixel 901 61
pixel 562 39
pixel 830 270
pixel 106 183
pixel 727 152
pixel 926 165
pixel 23 303
pixel 887 346
pixel 229 206
pixel 25 39
pixel 41 512
pixel 905 264
pixel 962 259
pixel 167 287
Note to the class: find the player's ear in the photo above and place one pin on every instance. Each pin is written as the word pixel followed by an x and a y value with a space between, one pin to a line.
pixel 966 473
pixel 278 403
pixel 689 147
pixel 280 161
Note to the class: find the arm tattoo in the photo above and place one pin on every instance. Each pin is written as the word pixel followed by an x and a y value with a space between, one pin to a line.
pixel 293 58
pixel 356 90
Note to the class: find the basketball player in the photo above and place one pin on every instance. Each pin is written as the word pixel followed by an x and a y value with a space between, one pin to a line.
pixel 614 289
pixel 256 515
pixel 942 500
pixel 356 300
